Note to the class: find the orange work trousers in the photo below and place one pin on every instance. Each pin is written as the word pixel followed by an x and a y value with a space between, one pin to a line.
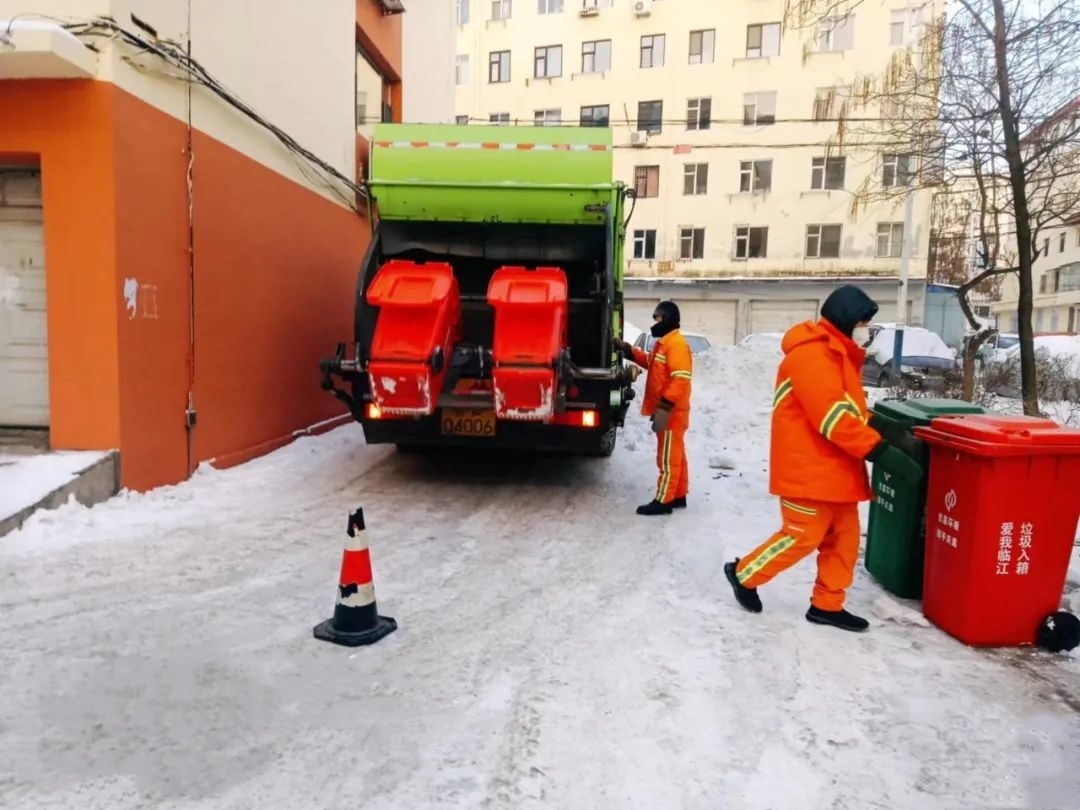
pixel 832 529
pixel 674 478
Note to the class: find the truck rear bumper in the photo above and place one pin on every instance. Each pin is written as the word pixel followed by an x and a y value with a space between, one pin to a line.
pixel 508 435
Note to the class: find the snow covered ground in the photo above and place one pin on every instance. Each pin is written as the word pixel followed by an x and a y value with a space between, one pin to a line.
pixel 26 478
pixel 554 650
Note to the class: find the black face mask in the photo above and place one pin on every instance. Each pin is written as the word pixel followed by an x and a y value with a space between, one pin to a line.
pixel 661 328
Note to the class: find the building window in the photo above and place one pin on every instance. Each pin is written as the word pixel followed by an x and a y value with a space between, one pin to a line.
pixel 499 67
pixel 831 102
pixel 895 170
pixel 500 9
pixel 698 113
pixel 691 243
pixel 549 6
pixel 828 174
pixel 460 120
pixel 499 118
pixel 823 241
pixel 703 47
pixel 596 56
pixel 647 181
pixel 695 179
pixel 462 11
pixel 759 109
pixel 762 40
pixel 462 72
pixel 890 240
pixel 597 115
pixel 548 62
pixel 755 175
pixel 898 28
pixel 645 244
pixel 652 51
pixel 361 107
pixel 1061 244
pixel 547 118
pixel 836 34
pixel 751 243
pixel 650 116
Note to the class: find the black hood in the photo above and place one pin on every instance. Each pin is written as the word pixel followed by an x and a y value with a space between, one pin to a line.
pixel 847 306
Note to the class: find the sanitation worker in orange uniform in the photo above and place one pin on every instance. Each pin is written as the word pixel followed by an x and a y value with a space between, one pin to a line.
pixel 821 441
pixel 670 368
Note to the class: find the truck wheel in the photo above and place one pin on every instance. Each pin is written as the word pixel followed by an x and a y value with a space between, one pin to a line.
pixel 604 446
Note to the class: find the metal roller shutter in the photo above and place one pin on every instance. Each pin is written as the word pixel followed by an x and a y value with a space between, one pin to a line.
pixel 779 315
pixel 24 367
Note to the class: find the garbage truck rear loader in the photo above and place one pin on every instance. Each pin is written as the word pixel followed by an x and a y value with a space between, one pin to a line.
pixel 488 298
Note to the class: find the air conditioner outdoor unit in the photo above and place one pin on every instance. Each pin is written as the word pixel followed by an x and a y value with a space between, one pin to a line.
pixel 639 137
pixel 642 8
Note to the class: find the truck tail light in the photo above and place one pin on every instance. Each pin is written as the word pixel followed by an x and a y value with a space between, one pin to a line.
pixel 374 411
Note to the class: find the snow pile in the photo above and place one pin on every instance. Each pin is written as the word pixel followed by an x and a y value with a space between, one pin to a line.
pixel 26 479
pixel 918 342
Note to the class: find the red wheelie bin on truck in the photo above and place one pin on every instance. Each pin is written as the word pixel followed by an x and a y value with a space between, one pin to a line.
pixel 1002 508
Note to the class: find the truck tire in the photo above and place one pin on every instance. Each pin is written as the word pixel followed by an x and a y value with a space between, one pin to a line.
pixel 604 446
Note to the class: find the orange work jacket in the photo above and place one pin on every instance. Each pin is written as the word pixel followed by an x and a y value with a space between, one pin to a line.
pixel 670 367
pixel 820 436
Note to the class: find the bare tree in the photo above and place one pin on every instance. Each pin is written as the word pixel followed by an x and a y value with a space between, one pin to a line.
pixel 983 100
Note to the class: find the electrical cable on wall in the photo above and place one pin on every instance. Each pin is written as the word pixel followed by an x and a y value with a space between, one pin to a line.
pixel 175 56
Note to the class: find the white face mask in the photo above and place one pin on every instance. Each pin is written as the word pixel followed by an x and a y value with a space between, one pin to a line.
pixel 861 335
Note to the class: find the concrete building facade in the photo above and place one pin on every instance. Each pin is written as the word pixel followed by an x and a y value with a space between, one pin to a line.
pixel 722 118
pixel 179 224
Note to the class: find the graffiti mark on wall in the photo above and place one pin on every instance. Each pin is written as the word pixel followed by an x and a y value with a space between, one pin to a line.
pixel 140 299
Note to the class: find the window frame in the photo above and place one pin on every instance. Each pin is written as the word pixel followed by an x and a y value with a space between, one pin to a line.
pixel 822 165
pixel 820 237
pixel 695 237
pixel 744 238
pixel 757 97
pixel 699 120
pixel 641 237
pixel 748 171
pixel 656 123
pixel 495 67
pixel 652 50
pixel 893 229
pixel 696 176
pixel 705 35
pixel 646 176
pixel 543 53
pixel 761 46
pixel 584 55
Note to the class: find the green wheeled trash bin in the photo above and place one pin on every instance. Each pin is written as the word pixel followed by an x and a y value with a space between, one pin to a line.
pixel 896 530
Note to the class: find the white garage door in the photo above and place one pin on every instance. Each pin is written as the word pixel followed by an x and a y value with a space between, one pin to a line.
pixel 887 311
pixel 24 368
pixel 781 314
pixel 714 319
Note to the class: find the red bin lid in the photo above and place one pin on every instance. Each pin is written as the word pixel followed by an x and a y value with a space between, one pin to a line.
pixel 1014 431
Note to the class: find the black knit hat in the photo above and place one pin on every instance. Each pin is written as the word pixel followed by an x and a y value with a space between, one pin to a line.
pixel 847 306
pixel 1059 632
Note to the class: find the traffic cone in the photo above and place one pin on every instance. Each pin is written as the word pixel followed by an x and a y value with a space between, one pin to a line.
pixel 356 621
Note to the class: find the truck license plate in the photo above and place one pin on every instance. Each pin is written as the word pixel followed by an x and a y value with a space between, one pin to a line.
pixel 460 422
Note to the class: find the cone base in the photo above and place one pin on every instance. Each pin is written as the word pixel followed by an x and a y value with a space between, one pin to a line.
pixel 384 626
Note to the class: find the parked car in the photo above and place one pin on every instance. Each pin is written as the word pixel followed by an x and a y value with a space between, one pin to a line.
pixel 770 339
pixel 926 362
pixel 698 343
pixel 996 348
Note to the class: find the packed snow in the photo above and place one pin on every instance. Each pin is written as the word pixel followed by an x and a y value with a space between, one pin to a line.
pixel 27 478
pixel 554 649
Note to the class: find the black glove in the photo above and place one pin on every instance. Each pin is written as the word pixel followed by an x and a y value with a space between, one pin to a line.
pixel 626 348
pixel 895 461
pixel 898 438
pixel 661 417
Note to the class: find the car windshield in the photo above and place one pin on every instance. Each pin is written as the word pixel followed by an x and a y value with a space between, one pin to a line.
pixel 697 344
pixel 1007 341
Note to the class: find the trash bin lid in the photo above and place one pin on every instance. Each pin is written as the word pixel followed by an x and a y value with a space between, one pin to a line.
pixel 923 411
pixel 994 434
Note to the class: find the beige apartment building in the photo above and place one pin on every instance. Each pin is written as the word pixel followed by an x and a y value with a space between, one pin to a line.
pixel 721 118
pixel 1056 304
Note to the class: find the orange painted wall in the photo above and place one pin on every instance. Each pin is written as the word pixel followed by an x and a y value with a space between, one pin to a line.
pixel 380 34
pixel 276 268
pixel 68 124
pixel 152 249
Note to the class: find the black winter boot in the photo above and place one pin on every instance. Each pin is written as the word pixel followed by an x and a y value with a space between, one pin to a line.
pixel 837 618
pixel 654 507
pixel 679 503
pixel 747 597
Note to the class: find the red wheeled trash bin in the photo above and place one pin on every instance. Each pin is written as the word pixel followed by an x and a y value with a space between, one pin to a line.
pixel 1001 514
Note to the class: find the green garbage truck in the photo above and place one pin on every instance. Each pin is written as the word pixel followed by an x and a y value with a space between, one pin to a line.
pixel 487 302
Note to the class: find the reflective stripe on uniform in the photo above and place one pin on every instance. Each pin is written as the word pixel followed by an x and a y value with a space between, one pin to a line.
pixel 794 507
pixel 685 374
pixel 834 414
pixel 660 358
pixel 767 555
pixel 665 476
pixel 782 390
